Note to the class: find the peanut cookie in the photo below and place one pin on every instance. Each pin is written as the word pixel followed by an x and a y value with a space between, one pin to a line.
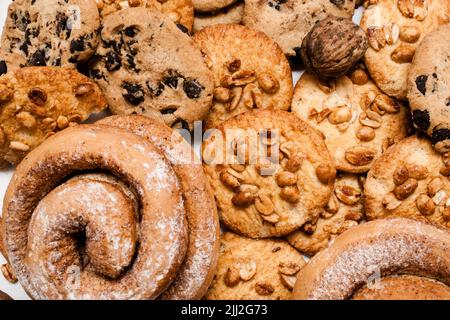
pixel 357 119
pixel 410 180
pixel 211 5
pixel 179 11
pixel 252 269
pixel 395 28
pixel 270 172
pixel 37 101
pixel 429 87
pixel 229 15
pixel 146 65
pixel 250 71
pixel 49 33
pixel 288 21
pixel 343 211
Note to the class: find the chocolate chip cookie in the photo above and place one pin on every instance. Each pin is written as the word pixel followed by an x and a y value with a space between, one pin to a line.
pixel 146 65
pixel 228 15
pixel 179 11
pixel 429 87
pixel 49 33
pixel 252 269
pixel 211 5
pixel 357 119
pixel 288 21
pixel 250 71
pixel 35 102
pixel 410 180
pixel 394 29
pixel 270 172
pixel 344 210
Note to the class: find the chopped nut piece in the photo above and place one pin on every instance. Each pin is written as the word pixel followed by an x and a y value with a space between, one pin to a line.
pixel 360 156
pixel 434 186
pixel 243 199
pixel 359 77
pixel 289 268
pixel 247 270
pixel 409 34
pixel 268 83
pixel 84 89
pixel 417 172
pixel 19 146
pixel 286 178
pixel 403 54
pixel 62 122
pixel 234 65
pixel 229 180
pixel 232 277
pixel 406 189
pixel 222 94
pixel 264 289
pixel 290 194
pixel 26 119
pixel 425 205
pixel 294 163
pixel 325 173
pixel 271 218
pixel 347 194
pixel 8 273
pixel 401 175
pixel 365 133
pixel 390 202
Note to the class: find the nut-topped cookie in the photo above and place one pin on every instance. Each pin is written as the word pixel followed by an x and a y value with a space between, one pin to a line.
pixel 35 102
pixel 49 33
pixel 250 71
pixel 343 211
pixel 255 269
pixel 394 29
pixel 357 119
pixel 410 180
pixel 429 87
pixel 179 11
pixel 146 65
pixel 288 21
pixel 228 15
pixel 270 172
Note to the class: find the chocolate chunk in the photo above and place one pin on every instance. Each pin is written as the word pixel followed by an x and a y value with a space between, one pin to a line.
pixel 57 62
pixel 77 45
pixel 24 48
pixel 96 74
pixel 134 93
pixel 447 103
pixel 3 67
pixel 421 84
pixel 440 135
pixel 131 63
pixel 276 4
pixel 130 31
pixel 170 110
pixel 338 3
pixel 171 81
pixel 61 26
pixel 183 28
pixel 421 119
pixel 192 89
pixel 155 92
pixel 37 96
pixel 112 61
pixel 37 58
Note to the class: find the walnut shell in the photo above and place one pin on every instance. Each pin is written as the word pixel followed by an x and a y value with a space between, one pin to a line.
pixel 333 47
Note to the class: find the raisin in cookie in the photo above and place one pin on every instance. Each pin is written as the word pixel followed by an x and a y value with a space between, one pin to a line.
pixel 288 21
pixel 270 172
pixel 230 15
pixel 211 5
pixel 343 211
pixel 146 65
pixel 394 29
pixel 250 71
pixel 252 269
pixel 429 87
pixel 357 119
pixel 410 180
pixel 37 101
pixel 49 33
pixel 179 11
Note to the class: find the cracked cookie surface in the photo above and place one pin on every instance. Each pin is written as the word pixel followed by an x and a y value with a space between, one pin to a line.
pixel 250 71
pixel 255 269
pixel 270 172
pixel 146 65
pixel 49 33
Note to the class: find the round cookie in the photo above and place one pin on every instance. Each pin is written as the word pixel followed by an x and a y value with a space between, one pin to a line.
pixel 359 121
pixel 230 15
pixel 250 71
pixel 429 87
pixel 252 269
pixel 394 29
pixel 409 180
pixel 179 11
pixel 344 210
pixel 49 33
pixel 270 172
pixel 288 21
pixel 146 65
pixel 35 102
pixel 211 5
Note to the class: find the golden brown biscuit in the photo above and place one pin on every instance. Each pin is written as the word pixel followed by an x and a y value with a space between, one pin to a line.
pixel 359 121
pixel 35 102
pixel 343 211
pixel 270 172
pixel 252 269
pixel 250 71
pixel 409 180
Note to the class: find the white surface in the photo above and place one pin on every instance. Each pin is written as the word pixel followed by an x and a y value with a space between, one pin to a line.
pixel 15 290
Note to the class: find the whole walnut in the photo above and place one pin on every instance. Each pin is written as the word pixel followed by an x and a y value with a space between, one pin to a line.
pixel 333 47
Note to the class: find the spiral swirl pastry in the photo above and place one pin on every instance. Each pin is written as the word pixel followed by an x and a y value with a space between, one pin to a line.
pixel 95 212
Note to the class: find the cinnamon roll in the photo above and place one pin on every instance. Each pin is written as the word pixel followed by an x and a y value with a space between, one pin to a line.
pixel 381 259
